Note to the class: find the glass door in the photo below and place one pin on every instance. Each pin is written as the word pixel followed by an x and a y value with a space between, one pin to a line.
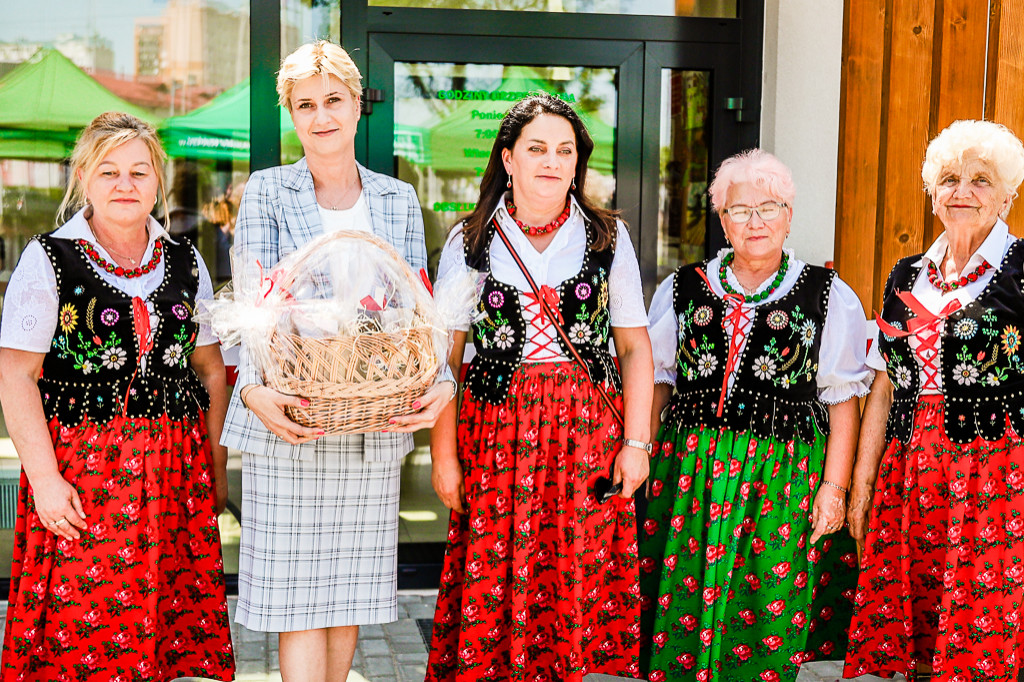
pixel 691 122
pixel 651 107
pixel 444 100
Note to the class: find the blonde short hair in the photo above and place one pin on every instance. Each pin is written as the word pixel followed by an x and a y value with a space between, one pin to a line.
pixel 319 58
pixel 759 168
pixel 986 141
pixel 105 133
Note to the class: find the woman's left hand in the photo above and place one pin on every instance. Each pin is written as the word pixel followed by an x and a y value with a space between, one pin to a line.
pixel 828 513
pixel 428 409
pixel 632 466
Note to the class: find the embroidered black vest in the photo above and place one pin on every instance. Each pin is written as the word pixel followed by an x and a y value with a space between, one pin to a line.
pixel 499 335
pixel 92 370
pixel 775 393
pixel 980 360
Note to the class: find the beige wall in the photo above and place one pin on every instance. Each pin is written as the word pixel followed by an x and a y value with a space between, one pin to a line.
pixel 803 44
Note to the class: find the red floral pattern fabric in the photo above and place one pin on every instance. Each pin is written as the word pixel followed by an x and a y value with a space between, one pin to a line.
pixel 140 596
pixel 540 579
pixel 942 578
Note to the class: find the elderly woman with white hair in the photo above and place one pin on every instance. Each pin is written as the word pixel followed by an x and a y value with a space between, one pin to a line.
pixel 759 361
pixel 937 499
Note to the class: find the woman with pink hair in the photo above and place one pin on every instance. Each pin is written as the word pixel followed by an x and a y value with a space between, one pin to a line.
pixel 759 361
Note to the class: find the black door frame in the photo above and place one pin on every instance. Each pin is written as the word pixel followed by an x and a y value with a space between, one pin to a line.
pixel 639 46
pixel 386 49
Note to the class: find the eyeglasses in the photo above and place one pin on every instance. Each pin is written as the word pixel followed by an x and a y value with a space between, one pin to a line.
pixel 769 210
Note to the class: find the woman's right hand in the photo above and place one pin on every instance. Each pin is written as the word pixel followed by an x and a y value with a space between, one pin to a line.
pixel 449 483
pixel 59 507
pixel 268 405
pixel 857 510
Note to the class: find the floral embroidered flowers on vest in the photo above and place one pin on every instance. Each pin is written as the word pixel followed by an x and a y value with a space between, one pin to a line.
pixel 775 392
pixel 981 364
pixel 499 336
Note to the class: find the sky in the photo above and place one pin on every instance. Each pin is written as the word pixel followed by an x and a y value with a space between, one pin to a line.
pixel 43 20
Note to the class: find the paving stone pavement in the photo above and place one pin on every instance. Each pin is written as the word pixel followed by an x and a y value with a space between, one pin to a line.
pixel 395 652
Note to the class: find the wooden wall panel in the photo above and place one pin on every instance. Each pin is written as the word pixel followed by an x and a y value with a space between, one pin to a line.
pixel 909 89
pixel 910 68
pixel 1005 101
pixel 860 125
pixel 959 73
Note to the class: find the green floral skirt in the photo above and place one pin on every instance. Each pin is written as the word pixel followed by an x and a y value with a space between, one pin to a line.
pixel 732 588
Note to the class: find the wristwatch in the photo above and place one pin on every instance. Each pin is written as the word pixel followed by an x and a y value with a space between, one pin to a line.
pixel 646 447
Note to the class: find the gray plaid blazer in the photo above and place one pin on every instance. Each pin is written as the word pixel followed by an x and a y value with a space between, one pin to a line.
pixel 278 215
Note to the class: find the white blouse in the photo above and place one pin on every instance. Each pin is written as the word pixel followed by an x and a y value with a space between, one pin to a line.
pixel 561 260
pixel 993 250
pixel 31 305
pixel 842 373
pixel 355 219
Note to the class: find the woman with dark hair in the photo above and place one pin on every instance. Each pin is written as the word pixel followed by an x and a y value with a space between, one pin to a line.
pixel 540 580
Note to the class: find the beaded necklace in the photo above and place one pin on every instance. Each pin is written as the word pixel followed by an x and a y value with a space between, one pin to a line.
pixel 543 229
pixel 946 287
pixel 755 298
pixel 95 257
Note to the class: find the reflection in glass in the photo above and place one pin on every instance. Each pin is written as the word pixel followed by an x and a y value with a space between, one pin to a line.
pixel 182 65
pixel 303 21
pixel 682 195
pixel 665 8
pixel 447 116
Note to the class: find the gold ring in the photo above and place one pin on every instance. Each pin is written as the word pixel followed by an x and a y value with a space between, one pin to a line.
pixel 58 521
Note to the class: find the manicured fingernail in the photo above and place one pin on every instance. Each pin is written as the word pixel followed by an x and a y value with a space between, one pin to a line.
pixel 392 421
pixel 383 430
pixel 305 403
pixel 416 405
pixel 321 433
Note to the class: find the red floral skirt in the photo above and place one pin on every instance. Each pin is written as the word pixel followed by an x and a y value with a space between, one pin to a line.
pixel 540 580
pixel 140 596
pixel 942 580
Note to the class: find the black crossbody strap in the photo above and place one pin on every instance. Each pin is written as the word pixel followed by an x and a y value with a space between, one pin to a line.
pixel 551 315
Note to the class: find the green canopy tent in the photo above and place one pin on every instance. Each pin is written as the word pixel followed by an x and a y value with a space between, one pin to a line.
pixel 46 101
pixel 220 129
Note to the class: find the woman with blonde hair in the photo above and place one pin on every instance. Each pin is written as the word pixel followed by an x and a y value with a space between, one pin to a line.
pixel 937 500
pixel 319 546
pixel 114 399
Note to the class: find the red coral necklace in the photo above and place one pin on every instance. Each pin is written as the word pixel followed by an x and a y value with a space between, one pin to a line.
pixel 95 257
pixel 946 287
pixel 535 231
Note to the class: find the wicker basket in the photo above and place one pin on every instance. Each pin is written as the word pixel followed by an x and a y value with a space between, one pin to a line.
pixel 355 384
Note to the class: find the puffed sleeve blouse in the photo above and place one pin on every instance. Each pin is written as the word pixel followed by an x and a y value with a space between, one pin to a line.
pixel 842 372
pixel 31 305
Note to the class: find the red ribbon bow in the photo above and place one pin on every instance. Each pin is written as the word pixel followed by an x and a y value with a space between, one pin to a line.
pixel 736 316
pixel 140 315
pixel 551 298
pixel 924 317
pixel 144 334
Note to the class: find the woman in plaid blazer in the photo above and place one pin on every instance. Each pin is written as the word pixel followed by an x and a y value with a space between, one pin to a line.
pixel 319 542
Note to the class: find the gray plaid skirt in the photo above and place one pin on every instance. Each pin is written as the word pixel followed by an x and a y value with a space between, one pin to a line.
pixel 319 543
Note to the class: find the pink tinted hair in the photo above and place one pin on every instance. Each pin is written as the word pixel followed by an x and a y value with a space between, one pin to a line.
pixel 759 168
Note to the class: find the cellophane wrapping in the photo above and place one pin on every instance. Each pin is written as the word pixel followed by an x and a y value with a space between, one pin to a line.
pixel 344 285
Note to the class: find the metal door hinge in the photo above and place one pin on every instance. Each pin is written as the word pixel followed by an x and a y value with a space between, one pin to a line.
pixel 735 104
pixel 371 95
